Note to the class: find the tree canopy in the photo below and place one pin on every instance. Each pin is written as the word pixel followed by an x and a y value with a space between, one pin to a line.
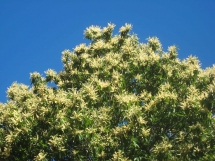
pixel 115 99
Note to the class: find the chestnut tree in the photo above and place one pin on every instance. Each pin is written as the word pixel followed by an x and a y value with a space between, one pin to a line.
pixel 115 99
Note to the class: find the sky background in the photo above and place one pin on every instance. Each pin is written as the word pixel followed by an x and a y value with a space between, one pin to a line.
pixel 34 33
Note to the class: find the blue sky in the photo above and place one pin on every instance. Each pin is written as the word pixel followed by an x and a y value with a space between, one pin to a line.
pixel 34 33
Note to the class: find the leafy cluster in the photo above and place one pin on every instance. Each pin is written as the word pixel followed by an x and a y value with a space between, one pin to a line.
pixel 115 99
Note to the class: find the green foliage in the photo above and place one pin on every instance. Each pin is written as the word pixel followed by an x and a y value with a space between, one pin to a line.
pixel 115 99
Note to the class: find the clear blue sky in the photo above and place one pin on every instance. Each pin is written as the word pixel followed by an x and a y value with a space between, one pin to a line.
pixel 34 33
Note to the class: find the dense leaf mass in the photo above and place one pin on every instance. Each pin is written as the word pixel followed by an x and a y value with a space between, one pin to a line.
pixel 115 99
